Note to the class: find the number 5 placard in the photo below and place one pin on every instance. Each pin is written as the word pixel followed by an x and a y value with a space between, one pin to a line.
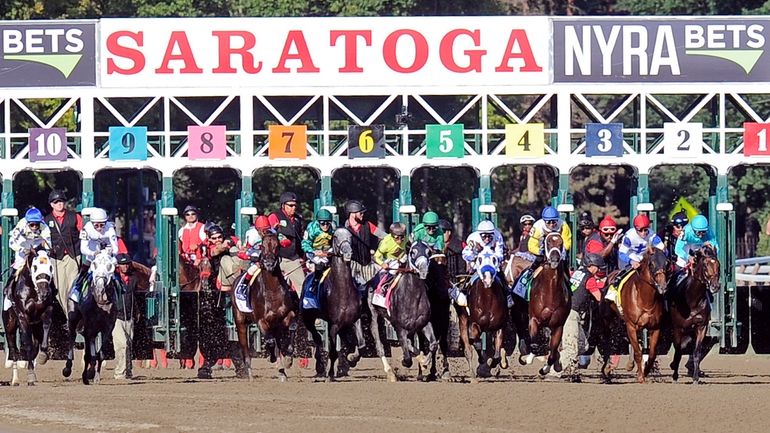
pixel 128 143
pixel 682 139
pixel 525 140
pixel 47 144
pixel 287 141
pixel 444 141
pixel 206 142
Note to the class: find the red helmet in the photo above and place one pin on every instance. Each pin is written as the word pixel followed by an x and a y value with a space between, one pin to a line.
pixel 262 223
pixel 641 221
pixel 608 225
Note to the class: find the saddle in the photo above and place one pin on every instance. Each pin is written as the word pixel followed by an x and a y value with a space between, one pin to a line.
pixel 619 279
pixel 523 284
pixel 242 297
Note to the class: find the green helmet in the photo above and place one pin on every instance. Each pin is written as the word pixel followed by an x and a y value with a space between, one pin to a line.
pixel 430 218
pixel 323 215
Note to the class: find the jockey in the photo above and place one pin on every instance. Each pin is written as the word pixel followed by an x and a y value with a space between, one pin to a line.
pixel 672 232
pixel 604 242
pixel 429 232
pixel 586 227
pixel 549 222
pixel 29 234
pixel 486 235
pixel 316 244
pixel 454 260
pixel 635 243
pixel 390 255
pixel 694 236
pixel 97 234
pixel 191 235
pixel 526 221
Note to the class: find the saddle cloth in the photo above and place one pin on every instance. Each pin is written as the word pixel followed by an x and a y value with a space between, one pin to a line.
pixel 242 296
pixel 523 285
pixel 618 287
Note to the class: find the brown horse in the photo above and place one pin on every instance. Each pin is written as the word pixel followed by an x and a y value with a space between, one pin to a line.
pixel 691 309
pixel 193 278
pixel 488 313
pixel 642 301
pixel 274 311
pixel 550 298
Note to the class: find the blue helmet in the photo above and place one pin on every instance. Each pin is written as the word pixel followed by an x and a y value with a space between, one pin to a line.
pixel 700 223
pixel 33 215
pixel 550 213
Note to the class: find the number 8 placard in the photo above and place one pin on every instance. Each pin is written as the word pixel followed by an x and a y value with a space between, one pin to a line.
pixel 682 139
pixel 604 139
pixel 206 142
pixel 444 141
pixel 128 143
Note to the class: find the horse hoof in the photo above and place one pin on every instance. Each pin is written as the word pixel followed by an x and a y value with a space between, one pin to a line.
pixel 91 373
pixel 446 376
pixel 407 362
pixel 527 359
pixel 288 361
pixel 503 360
pixel 557 366
pixel 353 359
pixel 31 379
pixel 21 364
pixel 630 365
pixel 544 371
pixel 66 371
pixel 483 371
pixel 42 358
pixel 392 377
pixel 330 379
pixel 15 382
pixel 282 378
pixel 8 363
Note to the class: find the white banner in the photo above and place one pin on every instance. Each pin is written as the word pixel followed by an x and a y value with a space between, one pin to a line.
pixel 319 52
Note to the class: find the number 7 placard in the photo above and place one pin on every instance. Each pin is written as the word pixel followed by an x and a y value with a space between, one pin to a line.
pixel 525 140
pixel 287 141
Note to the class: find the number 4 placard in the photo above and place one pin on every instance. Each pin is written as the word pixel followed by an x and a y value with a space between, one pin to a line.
pixel 444 141
pixel 755 138
pixel 47 144
pixel 525 140
pixel 287 141
pixel 682 139
pixel 206 142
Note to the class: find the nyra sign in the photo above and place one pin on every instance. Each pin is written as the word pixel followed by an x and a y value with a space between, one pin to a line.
pixel 671 50
pixel 313 52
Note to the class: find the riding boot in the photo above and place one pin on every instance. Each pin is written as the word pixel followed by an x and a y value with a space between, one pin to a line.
pixel 78 283
pixel 7 293
pixel 457 296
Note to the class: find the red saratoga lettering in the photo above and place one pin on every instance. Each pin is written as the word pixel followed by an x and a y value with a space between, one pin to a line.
pixel 226 51
pixel 185 55
pixel 297 39
pixel 446 52
pixel 116 49
pixel 519 37
pixel 420 54
pixel 351 46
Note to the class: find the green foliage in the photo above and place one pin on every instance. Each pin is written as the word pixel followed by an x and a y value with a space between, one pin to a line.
pixel 269 183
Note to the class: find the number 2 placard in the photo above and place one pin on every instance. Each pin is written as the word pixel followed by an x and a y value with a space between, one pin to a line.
pixel 444 141
pixel 47 144
pixel 207 142
pixel 682 139
pixel 287 141
pixel 525 140
pixel 755 138
pixel 128 143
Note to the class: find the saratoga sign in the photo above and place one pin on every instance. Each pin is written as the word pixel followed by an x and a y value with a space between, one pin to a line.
pixel 309 52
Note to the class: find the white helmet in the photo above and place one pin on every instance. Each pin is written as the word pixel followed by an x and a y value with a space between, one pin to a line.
pixel 98 215
pixel 486 226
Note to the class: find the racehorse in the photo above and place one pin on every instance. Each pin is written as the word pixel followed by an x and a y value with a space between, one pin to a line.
pixel 438 283
pixel 642 305
pixel 691 309
pixel 193 278
pixel 96 312
pixel 519 312
pixel 341 306
pixel 274 311
pixel 550 298
pixel 410 310
pixel 488 312
pixel 31 312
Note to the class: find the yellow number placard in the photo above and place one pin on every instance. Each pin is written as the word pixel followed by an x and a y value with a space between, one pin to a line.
pixel 525 140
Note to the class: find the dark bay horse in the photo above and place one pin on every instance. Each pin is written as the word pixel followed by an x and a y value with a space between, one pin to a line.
pixel 340 308
pixel 410 310
pixel 438 283
pixel 193 279
pixel 274 311
pixel 31 312
pixel 550 298
pixel 691 309
pixel 488 313
pixel 96 312
pixel 642 306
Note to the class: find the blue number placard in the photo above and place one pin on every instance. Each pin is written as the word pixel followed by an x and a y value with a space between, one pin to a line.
pixel 128 143
pixel 604 139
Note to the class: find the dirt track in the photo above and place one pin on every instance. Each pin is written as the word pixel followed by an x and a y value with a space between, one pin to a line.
pixel 736 397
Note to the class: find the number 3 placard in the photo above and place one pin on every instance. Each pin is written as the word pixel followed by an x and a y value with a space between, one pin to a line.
pixel 207 142
pixel 47 144
pixel 604 139
pixel 525 140
pixel 682 139
pixel 287 141
pixel 445 141
pixel 128 143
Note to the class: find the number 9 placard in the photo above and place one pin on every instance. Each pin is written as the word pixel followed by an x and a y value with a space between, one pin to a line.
pixel 525 140
pixel 366 141
pixel 604 139
pixel 682 139
pixel 128 143
pixel 444 141
pixel 287 141
pixel 207 142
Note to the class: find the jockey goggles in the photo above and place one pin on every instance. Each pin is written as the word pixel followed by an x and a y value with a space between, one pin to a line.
pixel 551 222
pixel 609 230
pixel 431 226
pixel 700 232
pixel 486 235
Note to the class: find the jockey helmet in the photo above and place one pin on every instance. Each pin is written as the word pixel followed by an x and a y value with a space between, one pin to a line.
pixel 700 223
pixel 397 229
pixel 56 195
pixel 586 221
pixel 262 223
pixel 123 259
pixel 430 218
pixel 526 218
pixel 323 215
pixel 641 221
pixel 595 260
pixel 550 213
pixel 190 208
pixel 608 225
pixel 486 226
pixel 680 219
pixel 287 197
pixel 214 229
pixel 445 225
pixel 99 215
pixel 353 206
pixel 33 215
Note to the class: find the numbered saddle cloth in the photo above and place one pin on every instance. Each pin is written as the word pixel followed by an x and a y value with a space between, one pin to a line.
pixel 243 292
pixel 618 287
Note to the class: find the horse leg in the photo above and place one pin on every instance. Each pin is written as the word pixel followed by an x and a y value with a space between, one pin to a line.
pixel 498 358
pixel 243 344
pixel 696 353
pixel 406 345
pixel 654 336
pixel 375 329
pixel 28 347
pixel 71 336
pixel 462 320
pixel 358 331
pixel 637 349
pixel 309 320
pixel 430 338
pixel 333 331
pixel 677 354
pixel 86 358
pixel 42 357
pixel 281 348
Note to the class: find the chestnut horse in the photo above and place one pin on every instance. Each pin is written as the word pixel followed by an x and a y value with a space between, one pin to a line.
pixel 691 309
pixel 550 299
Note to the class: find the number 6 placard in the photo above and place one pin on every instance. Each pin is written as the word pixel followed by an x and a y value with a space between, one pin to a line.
pixel 366 141
pixel 682 139
pixel 206 142
pixel 128 143
pixel 287 141
pixel 444 141
pixel 47 144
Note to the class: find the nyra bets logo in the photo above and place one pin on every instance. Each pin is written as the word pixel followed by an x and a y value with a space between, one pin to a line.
pixel 675 50
pixel 47 54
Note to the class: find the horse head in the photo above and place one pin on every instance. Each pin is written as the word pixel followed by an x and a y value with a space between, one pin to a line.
pixel 487 264
pixel 657 265
pixel 102 272
pixel 707 268
pixel 419 258
pixel 41 270
pixel 342 244
pixel 554 247
pixel 269 247
pixel 205 269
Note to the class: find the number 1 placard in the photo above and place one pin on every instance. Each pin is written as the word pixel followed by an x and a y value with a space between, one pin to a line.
pixel 287 141
pixel 128 143
pixel 682 139
pixel 755 138
pixel 525 140
pixel 207 142
pixel 444 141
pixel 47 144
